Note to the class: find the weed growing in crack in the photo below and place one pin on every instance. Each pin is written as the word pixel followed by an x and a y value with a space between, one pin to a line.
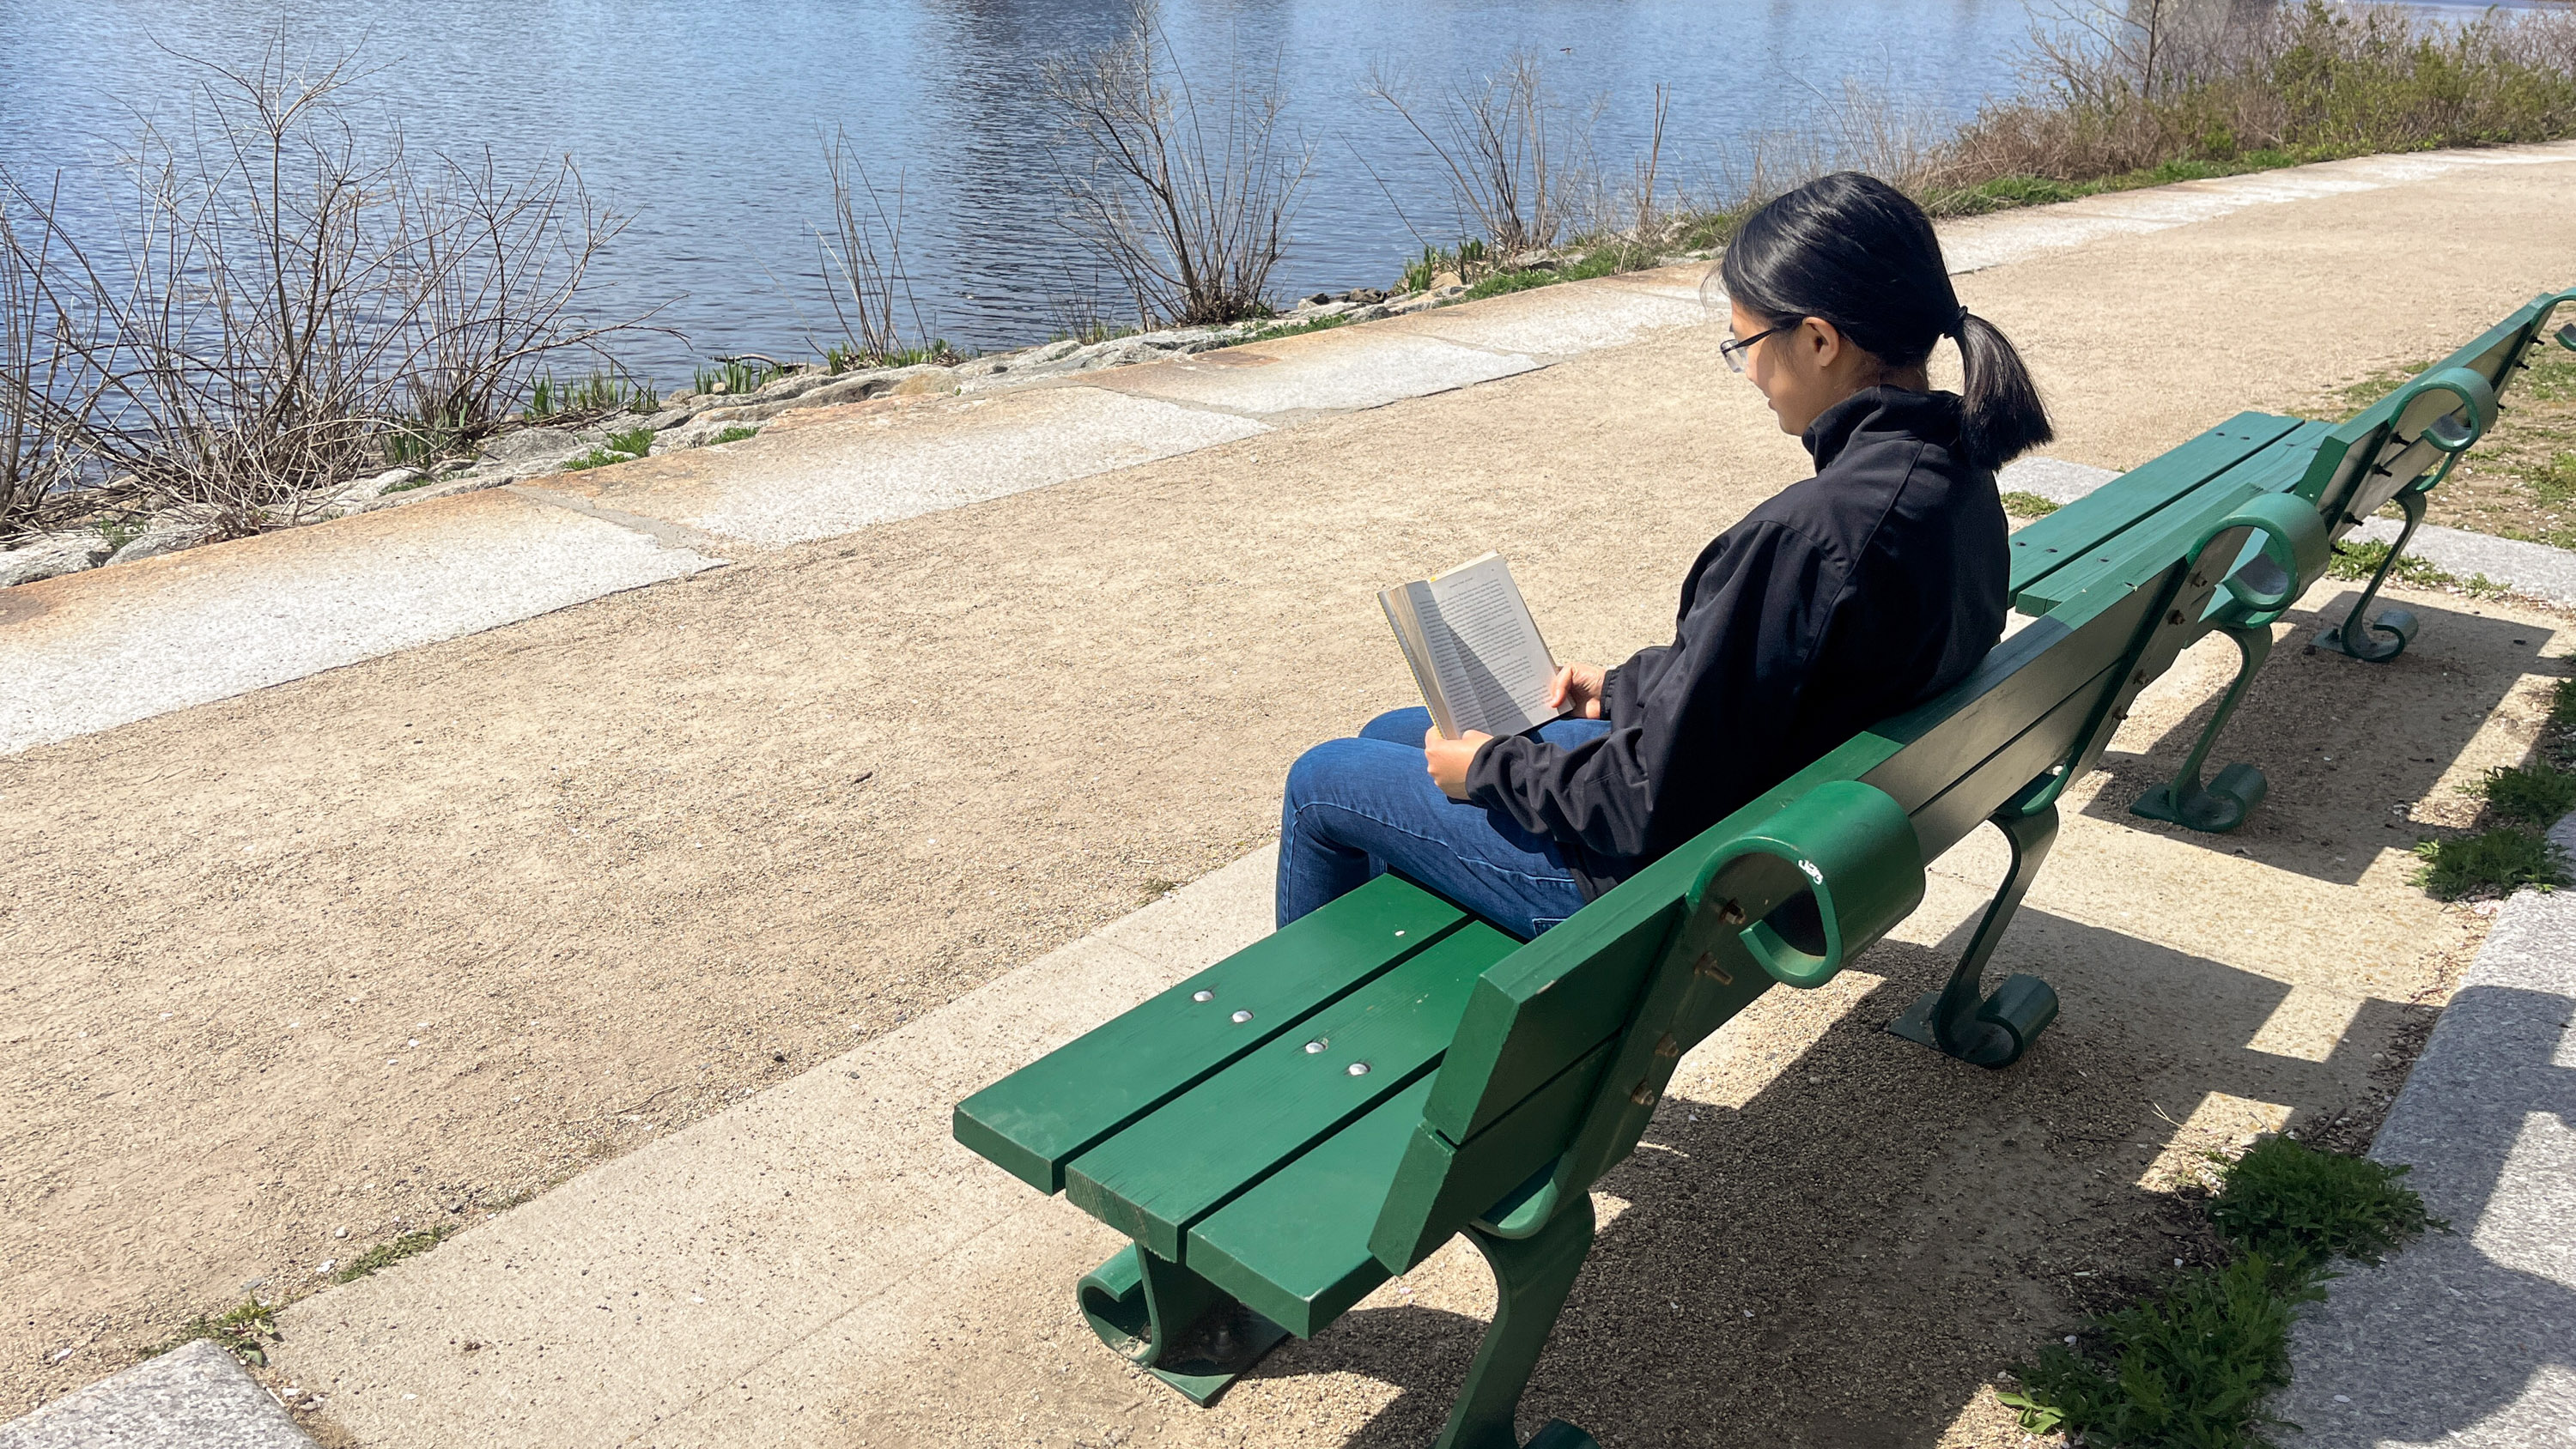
pixel 2192 1365
pixel 2493 862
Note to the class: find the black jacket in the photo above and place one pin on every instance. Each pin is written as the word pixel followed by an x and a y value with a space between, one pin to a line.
pixel 1837 602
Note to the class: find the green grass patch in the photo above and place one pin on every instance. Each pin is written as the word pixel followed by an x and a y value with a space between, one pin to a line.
pixel 2299 1208
pixel 622 447
pixel 117 533
pixel 244 1331
pixel 408 484
pixel 1292 329
pixel 601 392
pixel 2533 794
pixel 2492 862
pixel 734 434
pixel 2554 482
pixel 2551 376
pixel 2028 505
pixel 385 1255
pixel 2359 561
pixel 735 376
pixel 2189 1368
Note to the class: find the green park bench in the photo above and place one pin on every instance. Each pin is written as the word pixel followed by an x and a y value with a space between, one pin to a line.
pixel 1327 1107
pixel 2395 451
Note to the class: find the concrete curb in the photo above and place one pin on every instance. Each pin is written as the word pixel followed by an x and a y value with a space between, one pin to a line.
pixel 2533 570
pixel 2468 1337
pixel 193 1397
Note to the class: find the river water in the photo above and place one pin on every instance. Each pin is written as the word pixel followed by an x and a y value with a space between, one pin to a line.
pixel 702 120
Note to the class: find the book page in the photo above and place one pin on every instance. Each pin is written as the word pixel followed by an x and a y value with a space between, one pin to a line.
pixel 1493 667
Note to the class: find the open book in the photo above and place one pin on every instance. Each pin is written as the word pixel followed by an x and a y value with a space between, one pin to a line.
pixel 1474 649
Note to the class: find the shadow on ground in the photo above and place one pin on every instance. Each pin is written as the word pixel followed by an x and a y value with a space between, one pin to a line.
pixel 1844 1262
pixel 2320 726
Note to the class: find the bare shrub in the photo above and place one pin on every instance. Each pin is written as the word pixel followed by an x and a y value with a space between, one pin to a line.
pixel 1185 199
pixel 36 463
pixel 862 260
pixel 288 299
pixel 1519 159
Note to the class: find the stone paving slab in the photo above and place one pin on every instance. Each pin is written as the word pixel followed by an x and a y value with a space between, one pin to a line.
pixel 1345 369
pixel 1563 321
pixel 2468 1338
pixel 2534 570
pixel 193 1397
pixel 797 484
pixel 95 650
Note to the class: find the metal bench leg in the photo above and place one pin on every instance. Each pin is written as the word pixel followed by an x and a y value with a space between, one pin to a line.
pixel 1992 1031
pixel 2385 637
pixel 1173 1323
pixel 2224 803
pixel 1532 1275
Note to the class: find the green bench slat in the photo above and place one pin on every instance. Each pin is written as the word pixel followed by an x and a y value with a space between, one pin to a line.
pixel 1037 1119
pixel 2160 536
pixel 1444 1185
pixel 1964 804
pixel 1193 1154
pixel 1593 969
pixel 2089 527
pixel 1295 1249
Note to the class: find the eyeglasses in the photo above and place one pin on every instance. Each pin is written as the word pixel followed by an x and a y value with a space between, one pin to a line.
pixel 1734 351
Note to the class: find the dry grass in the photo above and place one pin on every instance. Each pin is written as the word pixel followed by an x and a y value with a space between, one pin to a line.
pixel 2122 94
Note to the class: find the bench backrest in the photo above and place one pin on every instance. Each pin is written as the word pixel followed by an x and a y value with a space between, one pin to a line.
pixel 2404 442
pixel 1565 1045
pixel 2414 432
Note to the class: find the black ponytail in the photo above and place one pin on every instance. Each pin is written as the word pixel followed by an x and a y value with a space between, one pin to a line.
pixel 1854 251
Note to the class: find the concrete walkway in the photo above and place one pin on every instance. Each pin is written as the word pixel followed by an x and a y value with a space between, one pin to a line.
pixel 408 926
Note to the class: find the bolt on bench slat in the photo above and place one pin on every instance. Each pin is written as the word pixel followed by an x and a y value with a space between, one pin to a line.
pixel 1037 1119
pixel 1198 1151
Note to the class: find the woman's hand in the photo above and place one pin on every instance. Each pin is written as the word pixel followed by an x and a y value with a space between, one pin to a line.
pixel 1577 690
pixel 1449 759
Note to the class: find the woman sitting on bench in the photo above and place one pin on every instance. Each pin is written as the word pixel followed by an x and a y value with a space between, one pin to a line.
pixel 1836 603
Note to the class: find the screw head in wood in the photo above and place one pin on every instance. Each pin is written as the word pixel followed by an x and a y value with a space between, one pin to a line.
pixel 1241 1017
pixel 1317 1045
pixel 1357 1069
pixel 1202 994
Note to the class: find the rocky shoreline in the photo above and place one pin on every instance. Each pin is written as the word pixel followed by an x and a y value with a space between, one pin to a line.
pixel 693 420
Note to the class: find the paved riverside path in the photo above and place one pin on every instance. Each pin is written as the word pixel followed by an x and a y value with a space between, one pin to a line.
pixel 390 943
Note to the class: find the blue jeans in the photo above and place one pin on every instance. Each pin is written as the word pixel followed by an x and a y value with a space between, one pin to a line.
pixel 1358 807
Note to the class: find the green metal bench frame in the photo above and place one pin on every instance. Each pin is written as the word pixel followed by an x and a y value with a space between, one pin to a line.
pixel 2398 450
